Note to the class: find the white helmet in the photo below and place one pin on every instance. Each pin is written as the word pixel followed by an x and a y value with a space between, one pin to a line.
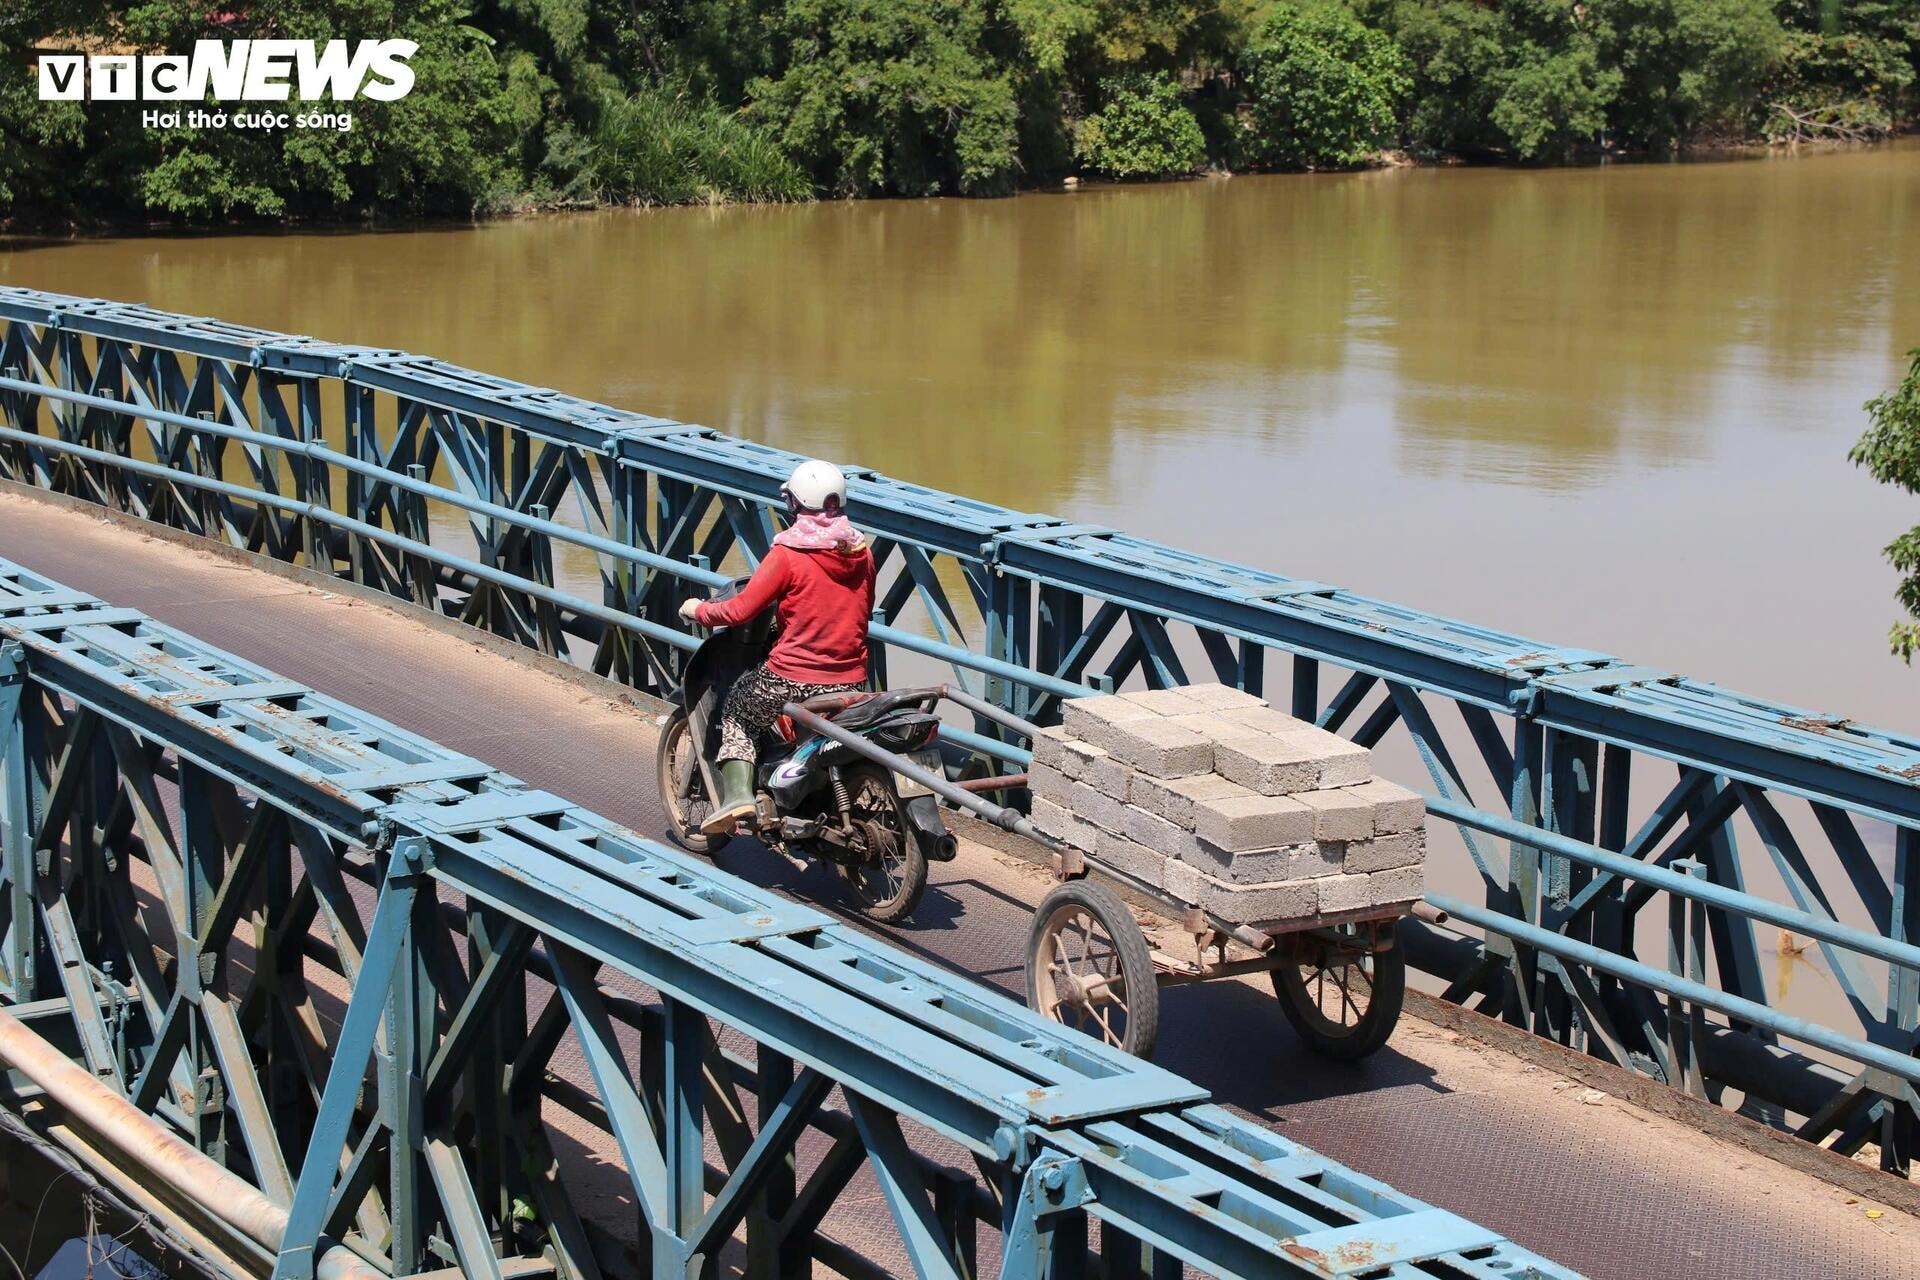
pixel 816 486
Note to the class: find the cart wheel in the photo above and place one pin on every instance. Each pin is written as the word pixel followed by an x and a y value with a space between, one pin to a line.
pixel 1343 1003
pixel 1088 967
pixel 683 788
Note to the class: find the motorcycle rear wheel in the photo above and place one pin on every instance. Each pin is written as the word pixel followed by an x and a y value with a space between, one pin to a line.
pixel 888 882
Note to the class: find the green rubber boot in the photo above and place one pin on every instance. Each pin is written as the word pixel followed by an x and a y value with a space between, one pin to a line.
pixel 736 798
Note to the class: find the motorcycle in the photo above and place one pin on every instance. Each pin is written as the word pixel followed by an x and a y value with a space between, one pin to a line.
pixel 813 797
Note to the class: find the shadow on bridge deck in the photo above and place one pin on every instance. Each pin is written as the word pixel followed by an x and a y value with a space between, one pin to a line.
pixel 1587 1180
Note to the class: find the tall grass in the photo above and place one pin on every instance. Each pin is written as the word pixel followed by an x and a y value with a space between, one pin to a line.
pixel 657 147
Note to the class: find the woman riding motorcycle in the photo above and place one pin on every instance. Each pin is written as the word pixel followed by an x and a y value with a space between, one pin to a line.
pixel 818 576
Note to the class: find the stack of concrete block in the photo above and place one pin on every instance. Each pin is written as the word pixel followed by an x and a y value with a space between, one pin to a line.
pixel 1228 804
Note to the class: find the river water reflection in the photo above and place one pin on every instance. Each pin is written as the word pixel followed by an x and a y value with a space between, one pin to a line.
pixel 1602 407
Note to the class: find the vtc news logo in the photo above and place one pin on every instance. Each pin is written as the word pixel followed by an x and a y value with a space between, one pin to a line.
pixel 235 71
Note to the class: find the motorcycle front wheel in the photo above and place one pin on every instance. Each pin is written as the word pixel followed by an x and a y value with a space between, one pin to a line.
pixel 683 788
pixel 888 880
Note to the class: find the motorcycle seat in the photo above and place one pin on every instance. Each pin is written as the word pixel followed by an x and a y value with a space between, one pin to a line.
pixel 871 710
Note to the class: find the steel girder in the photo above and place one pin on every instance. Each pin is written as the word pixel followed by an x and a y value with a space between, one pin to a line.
pixel 1581 787
pixel 416 914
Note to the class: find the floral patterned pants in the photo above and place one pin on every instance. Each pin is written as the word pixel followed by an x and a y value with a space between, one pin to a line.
pixel 754 703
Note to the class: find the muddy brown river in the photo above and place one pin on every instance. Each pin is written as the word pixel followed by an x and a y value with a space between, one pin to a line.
pixel 1602 407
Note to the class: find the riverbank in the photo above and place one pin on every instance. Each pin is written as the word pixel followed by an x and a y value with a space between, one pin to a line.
pixel 18 234
pixel 512 108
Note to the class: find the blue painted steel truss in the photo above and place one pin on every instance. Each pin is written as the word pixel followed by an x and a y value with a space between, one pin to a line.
pixel 173 813
pixel 1585 791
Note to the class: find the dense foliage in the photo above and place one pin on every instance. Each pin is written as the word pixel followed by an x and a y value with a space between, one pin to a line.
pixel 1890 451
pixel 527 103
pixel 658 147
pixel 1321 88
pixel 1142 129
pixel 903 97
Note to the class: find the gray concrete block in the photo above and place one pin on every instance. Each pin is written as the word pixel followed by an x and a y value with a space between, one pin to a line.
pixel 1159 835
pixel 1164 702
pixel 1315 859
pixel 1271 766
pixel 1087 718
pixel 1174 798
pixel 1087 763
pixel 1107 775
pixel 1256 866
pixel 1221 697
pixel 1386 853
pixel 1183 882
pixel 1250 820
pixel 1265 719
pixel 1338 815
pixel 1104 733
pixel 1346 765
pixel 1265 903
pixel 1130 857
pixel 1049 747
pixel 1076 756
pixel 1061 823
pixel 1215 726
pixel 1097 807
pixel 1308 861
pixel 1342 763
pixel 1344 892
pixel 1243 903
pixel 1395 809
pixel 1403 884
pixel 1159 748
pixel 1048 783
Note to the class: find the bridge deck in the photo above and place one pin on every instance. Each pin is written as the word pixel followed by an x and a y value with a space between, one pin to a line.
pixel 1594 1183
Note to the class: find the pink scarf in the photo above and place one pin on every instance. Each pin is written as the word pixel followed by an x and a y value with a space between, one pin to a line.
pixel 820 531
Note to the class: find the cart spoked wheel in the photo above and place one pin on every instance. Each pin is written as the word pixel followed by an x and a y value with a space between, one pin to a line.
pixel 892 874
pixel 1088 967
pixel 1343 1000
pixel 683 788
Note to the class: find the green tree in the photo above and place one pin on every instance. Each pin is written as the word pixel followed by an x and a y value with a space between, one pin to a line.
pixel 1322 88
pixel 1550 100
pixel 1452 49
pixel 1094 38
pixel 1687 66
pixel 901 97
pixel 1526 79
pixel 1890 451
pixel 46 148
pixel 438 150
pixel 1142 130
pixel 1848 68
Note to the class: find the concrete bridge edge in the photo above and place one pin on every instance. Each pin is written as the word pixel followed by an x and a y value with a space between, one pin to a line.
pixel 1647 1094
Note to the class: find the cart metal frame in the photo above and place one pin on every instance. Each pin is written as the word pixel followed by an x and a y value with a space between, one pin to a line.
pixel 1326 942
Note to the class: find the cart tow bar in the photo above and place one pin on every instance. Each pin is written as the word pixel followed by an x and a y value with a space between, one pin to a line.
pixel 999 815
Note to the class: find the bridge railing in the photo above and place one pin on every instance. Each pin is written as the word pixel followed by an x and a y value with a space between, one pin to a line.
pixel 231 898
pixel 1585 793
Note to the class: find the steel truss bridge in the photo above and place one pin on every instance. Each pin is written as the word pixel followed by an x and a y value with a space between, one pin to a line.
pixel 165 799
pixel 1630 829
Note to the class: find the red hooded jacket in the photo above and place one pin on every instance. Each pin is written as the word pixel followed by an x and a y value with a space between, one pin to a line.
pixel 823 598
